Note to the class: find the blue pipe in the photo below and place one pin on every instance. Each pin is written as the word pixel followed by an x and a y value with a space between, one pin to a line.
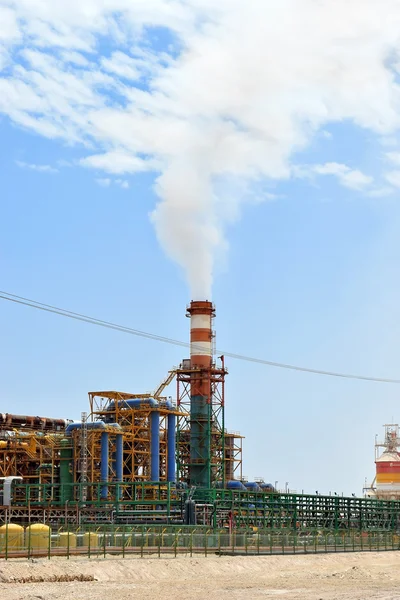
pixel 124 404
pixel 136 403
pixel 94 425
pixel 119 459
pixel 91 425
pixel 104 465
pixel 171 464
pixel 155 446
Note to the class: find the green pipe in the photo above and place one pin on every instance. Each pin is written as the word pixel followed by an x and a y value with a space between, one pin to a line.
pixel 66 471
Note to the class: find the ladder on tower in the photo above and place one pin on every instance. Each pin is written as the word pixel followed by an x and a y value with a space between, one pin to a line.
pixel 164 384
pixel 84 461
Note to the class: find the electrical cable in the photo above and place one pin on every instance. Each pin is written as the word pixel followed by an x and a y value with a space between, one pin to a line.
pixel 123 329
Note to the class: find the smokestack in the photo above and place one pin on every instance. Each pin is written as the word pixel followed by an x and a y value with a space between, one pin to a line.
pixel 201 314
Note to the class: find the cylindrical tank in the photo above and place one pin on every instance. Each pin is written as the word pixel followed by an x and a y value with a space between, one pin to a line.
pixel 236 485
pixel 155 446
pixel 267 487
pixel 171 463
pixel 252 486
pixel 91 539
pixel 388 472
pixel 11 537
pixel 104 465
pixel 67 539
pixel 37 536
pixel 66 474
pixel 10 422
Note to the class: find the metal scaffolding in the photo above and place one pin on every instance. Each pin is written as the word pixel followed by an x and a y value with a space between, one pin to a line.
pixel 233 456
pixel 135 420
pixel 209 459
pixel 163 503
pixel 29 454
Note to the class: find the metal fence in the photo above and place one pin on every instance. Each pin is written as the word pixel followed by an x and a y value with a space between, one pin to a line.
pixel 40 541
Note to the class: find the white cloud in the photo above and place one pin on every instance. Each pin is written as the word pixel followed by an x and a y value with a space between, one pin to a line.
pixel 118 162
pixel 393 177
pixel 380 192
pixel 388 141
pixel 10 32
pixel 106 182
pixel 350 178
pixel 123 183
pixel 103 182
pixel 131 67
pixel 33 167
pixel 64 163
pixel 75 58
pixel 393 157
pixel 122 65
pixel 245 87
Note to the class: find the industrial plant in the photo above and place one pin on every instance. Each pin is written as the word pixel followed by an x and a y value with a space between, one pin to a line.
pixel 152 459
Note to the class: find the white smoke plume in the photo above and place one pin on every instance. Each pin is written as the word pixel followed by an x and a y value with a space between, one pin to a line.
pixel 204 93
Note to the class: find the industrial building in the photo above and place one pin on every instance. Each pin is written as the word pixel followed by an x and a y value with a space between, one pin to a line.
pixel 152 459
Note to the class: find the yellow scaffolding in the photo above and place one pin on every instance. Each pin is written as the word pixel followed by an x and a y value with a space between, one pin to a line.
pixel 31 455
pixel 134 420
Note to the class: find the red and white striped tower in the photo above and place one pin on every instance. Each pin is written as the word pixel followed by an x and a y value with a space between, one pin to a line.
pixel 201 314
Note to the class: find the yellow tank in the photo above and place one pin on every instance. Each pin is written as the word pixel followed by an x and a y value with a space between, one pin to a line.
pixel 38 536
pixel 11 537
pixel 91 539
pixel 67 540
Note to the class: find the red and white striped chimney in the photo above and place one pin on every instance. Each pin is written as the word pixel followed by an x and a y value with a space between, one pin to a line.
pixel 201 348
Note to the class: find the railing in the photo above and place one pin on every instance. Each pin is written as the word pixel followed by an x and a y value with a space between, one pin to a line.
pixel 123 541
pixel 246 509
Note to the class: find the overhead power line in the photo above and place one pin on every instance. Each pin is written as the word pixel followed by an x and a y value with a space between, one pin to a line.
pixel 152 336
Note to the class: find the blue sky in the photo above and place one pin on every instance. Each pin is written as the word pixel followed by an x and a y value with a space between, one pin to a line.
pixel 310 276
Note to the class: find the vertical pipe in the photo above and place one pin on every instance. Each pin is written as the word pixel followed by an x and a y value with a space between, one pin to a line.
pixel 171 464
pixel 66 475
pixel 119 445
pixel 104 465
pixel 155 446
pixel 223 422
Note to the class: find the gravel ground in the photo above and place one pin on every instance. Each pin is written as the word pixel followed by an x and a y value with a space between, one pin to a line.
pixel 324 577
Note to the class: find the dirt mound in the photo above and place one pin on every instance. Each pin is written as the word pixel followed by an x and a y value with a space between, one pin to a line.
pixel 349 576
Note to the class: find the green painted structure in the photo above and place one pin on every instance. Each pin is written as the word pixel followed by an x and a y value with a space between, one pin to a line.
pixel 161 503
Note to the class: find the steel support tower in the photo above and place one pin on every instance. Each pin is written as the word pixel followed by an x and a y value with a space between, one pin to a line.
pixel 200 398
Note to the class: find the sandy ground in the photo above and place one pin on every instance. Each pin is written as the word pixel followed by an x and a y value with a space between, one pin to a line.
pixel 326 577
